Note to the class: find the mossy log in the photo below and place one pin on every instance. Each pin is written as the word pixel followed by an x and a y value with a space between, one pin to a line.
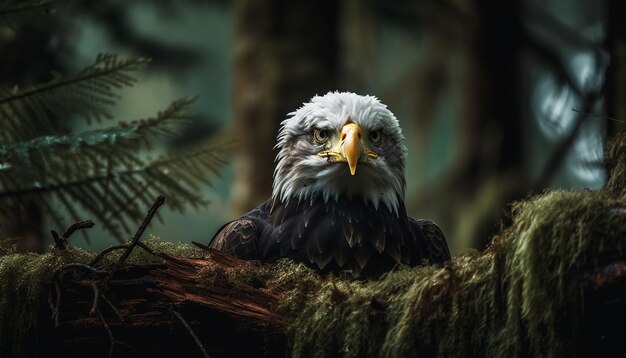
pixel 552 284
pixel 146 305
pixel 227 320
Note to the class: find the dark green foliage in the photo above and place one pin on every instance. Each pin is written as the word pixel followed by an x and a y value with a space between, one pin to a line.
pixel 14 13
pixel 47 107
pixel 100 171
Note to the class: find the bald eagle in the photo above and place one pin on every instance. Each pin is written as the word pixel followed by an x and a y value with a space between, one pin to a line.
pixel 338 194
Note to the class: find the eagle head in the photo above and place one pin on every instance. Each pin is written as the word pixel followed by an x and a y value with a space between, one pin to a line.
pixel 341 145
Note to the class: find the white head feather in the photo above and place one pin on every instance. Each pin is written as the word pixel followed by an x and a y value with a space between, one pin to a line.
pixel 302 174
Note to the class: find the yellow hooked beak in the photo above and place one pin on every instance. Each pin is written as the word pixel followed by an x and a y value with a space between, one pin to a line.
pixel 351 135
pixel 350 148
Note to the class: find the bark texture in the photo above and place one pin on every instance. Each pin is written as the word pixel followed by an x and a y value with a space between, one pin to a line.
pixel 227 321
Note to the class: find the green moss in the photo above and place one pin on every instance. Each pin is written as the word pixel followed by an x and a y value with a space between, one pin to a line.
pixel 520 296
pixel 616 165
pixel 24 283
pixel 252 274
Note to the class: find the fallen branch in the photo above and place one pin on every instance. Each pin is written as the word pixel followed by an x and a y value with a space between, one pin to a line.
pixel 60 242
pixel 190 330
pixel 219 318
pixel 222 319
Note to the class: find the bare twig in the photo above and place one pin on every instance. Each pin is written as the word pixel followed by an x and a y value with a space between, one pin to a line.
pixel 598 115
pixel 113 308
pixel 60 242
pixel 109 332
pixel 96 296
pixel 81 267
pixel 148 249
pixel 86 224
pixel 135 240
pixel 57 304
pixel 106 251
pixel 193 335
pixel 101 255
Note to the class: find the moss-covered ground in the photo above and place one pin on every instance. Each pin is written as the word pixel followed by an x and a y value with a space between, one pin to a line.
pixel 520 296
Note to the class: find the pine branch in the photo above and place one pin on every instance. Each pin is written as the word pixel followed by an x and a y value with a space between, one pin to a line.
pixel 103 166
pixel 37 110
pixel 111 144
pixel 8 7
pixel 101 172
pixel 14 13
pixel 176 176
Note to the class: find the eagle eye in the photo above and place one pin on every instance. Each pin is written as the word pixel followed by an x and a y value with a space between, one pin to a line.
pixel 376 136
pixel 321 136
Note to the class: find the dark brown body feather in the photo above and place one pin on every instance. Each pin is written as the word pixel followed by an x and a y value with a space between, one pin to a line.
pixel 333 236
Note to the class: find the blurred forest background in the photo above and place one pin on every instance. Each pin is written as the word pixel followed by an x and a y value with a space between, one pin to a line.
pixel 497 99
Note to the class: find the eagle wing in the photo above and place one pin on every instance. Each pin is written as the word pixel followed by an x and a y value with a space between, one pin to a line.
pixel 435 246
pixel 238 238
